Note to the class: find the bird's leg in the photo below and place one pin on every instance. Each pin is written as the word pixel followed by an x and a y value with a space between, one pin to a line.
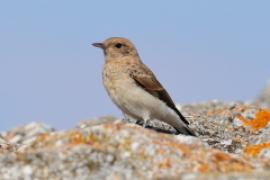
pixel 145 123
pixel 140 122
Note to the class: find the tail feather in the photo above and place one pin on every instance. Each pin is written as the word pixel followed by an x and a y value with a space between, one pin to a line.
pixel 185 130
pixel 181 126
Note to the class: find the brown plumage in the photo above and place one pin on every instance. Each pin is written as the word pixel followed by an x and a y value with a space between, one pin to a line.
pixel 147 80
pixel 134 88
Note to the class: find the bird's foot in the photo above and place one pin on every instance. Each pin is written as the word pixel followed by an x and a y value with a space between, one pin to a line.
pixel 145 124
pixel 140 122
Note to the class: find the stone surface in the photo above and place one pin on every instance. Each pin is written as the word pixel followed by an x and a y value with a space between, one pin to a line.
pixel 233 142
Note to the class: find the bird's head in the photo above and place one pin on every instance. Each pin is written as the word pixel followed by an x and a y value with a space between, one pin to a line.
pixel 116 47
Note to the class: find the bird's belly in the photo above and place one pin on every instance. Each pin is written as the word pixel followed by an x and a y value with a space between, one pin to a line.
pixel 135 101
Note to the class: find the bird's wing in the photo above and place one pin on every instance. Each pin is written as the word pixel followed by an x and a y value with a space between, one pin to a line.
pixel 145 78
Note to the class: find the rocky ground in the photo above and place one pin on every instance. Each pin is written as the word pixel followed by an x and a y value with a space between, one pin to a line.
pixel 233 142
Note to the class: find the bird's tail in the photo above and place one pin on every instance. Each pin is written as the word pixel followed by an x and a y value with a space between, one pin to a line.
pixel 185 130
pixel 181 126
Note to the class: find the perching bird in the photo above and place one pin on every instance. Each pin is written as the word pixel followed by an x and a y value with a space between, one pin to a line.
pixel 134 88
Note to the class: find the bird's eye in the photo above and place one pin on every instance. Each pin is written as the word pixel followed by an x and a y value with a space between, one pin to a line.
pixel 118 45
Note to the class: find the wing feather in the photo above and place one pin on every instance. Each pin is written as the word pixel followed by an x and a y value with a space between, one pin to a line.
pixel 145 78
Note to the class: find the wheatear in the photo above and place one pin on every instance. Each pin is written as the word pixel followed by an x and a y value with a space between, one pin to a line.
pixel 134 88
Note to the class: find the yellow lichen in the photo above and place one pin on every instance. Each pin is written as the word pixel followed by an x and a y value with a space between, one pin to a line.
pixel 254 150
pixel 165 164
pixel 43 140
pixel 43 137
pixel 261 119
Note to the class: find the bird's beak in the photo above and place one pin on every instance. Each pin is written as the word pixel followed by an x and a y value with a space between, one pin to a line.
pixel 99 45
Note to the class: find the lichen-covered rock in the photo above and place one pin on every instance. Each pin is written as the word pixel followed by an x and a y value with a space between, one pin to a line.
pixel 233 143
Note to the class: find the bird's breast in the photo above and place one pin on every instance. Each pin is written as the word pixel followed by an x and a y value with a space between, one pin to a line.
pixel 117 82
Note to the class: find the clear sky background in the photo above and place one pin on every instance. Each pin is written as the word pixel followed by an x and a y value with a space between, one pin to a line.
pixel 199 50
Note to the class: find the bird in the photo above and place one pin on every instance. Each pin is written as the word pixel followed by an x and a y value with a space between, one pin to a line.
pixel 134 88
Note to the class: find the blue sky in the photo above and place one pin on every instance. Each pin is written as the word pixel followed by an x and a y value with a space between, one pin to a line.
pixel 199 50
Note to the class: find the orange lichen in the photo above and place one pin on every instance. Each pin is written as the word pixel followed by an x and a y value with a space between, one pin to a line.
pixel 223 162
pixel 228 111
pixel 203 168
pixel 261 119
pixel 79 138
pixel 184 149
pixel 254 150
pixel 219 156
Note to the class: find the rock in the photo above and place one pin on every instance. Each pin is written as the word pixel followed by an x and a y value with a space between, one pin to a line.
pixel 233 143
pixel 153 124
pixel 96 121
pixel 26 134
